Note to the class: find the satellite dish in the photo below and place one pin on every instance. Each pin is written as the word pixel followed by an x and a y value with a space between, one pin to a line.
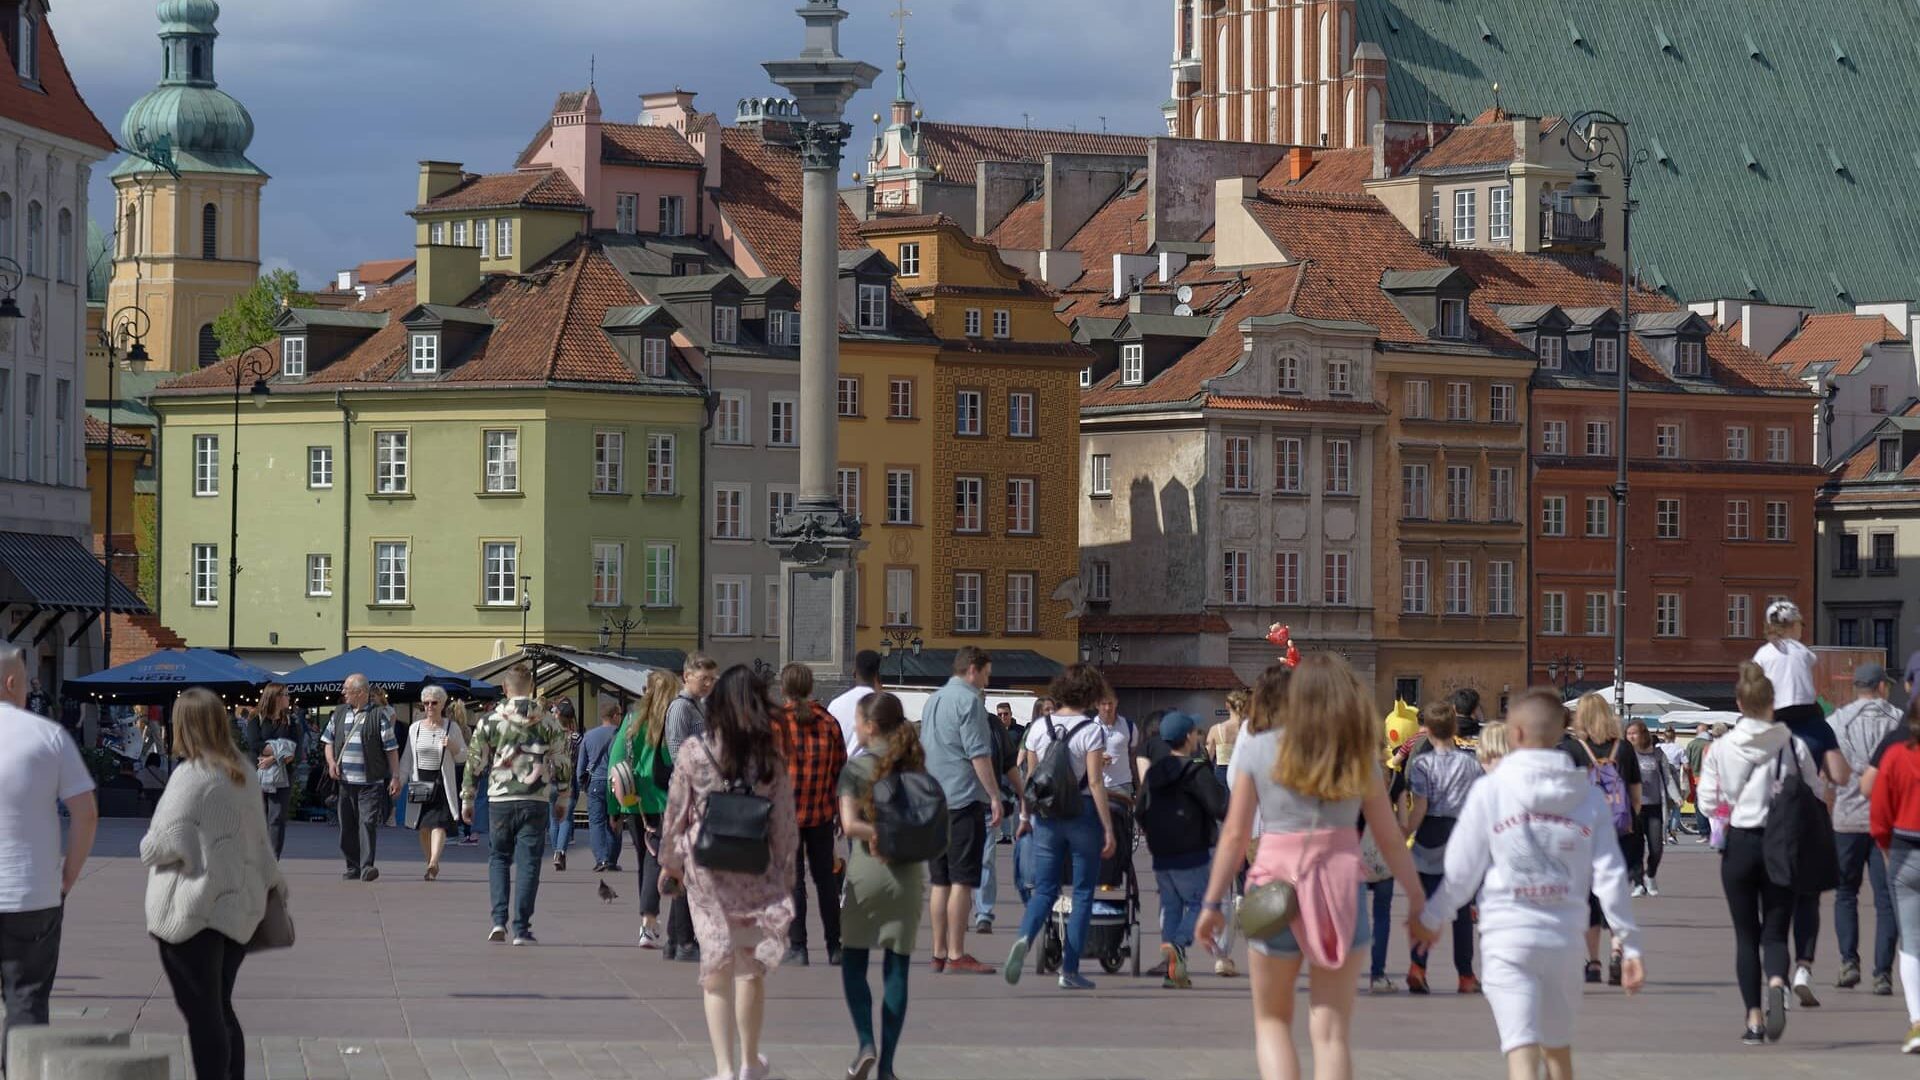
pixel 1183 310
pixel 1184 294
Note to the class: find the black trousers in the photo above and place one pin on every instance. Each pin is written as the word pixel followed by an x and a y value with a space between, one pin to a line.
pixel 815 859
pixel 29 956
pixel 363 809
pixel 646 847
pixel 277 803
pixel 202 970
pixel 1761 911
pixel 1646 844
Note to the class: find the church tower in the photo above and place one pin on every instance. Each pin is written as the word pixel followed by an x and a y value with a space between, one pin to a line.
pixel 185 245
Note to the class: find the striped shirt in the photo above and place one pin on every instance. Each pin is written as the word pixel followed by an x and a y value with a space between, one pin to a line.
pixel 352 757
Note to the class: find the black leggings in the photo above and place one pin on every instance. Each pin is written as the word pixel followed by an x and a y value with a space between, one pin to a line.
pixel 1644 846
pixel 646 846
pixel 202 970
pixel 1760 910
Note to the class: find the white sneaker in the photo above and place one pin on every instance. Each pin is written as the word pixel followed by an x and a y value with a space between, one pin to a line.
pixel 498 933
pixel 1653 887
pixel 649 938
pixel 1639 890
pixel 1803 986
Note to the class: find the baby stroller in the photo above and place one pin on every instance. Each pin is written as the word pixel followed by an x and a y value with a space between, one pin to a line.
pixel 1113 932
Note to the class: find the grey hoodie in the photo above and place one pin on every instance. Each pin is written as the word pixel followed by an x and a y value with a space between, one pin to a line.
pixel 1534 838
pixel 1741 770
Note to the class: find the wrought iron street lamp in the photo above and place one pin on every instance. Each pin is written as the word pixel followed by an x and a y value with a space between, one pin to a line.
pixel 1574 670
pixel 903 640
pixel 618 621
pixel 129 325
pixel 1599 138
pixel 1100 650
pixel 526 605
pixel 256 363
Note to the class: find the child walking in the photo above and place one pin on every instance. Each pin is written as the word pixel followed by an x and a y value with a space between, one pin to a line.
pixel 1534 837
pixel 1440 780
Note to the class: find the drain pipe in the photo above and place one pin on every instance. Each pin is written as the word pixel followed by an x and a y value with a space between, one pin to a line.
pixel 344 482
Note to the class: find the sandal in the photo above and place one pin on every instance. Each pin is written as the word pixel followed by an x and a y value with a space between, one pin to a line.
pixel 432 872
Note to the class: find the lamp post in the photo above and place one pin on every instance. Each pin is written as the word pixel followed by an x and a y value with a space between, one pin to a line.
pixel 619 621
pixel 129 324
pixel 902 640
pixel 1574 670
pixel 1597 137
pixel 526 606
pixel 1100 650
pixel 255 363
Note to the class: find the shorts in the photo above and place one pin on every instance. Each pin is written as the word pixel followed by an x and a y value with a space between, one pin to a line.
pixel 961 863
pixel 1284 943
pixel 1534 991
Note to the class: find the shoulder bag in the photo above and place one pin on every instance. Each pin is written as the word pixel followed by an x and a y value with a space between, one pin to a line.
pixel 1267 909
pixel 276 926
pixel 736 826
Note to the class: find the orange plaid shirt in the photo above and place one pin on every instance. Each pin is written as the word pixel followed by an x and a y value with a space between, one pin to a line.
pixel 816 751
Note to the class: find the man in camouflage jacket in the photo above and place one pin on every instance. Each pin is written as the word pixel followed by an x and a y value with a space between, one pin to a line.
pixel 522 754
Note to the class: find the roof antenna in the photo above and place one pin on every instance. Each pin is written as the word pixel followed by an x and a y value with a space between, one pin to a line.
pixel 593 64
pixel 1498 112
pixel 1103 125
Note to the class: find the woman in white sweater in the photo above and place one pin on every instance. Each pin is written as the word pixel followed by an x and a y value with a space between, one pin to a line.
pixel 210 867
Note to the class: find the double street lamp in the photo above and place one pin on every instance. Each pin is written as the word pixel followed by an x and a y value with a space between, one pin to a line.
pixel 1100 650
pixel 903 640
pixel 1599 138
pixel 619 621
pixel 127 326
pixel 255 364
pixel 1564 672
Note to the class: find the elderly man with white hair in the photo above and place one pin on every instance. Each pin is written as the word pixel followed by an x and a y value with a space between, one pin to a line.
pixel 368 781
pixel 40 768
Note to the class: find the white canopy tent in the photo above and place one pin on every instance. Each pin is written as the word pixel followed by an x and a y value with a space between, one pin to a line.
pixel 1644 700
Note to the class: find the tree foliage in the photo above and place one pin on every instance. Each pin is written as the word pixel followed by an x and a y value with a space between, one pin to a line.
pixel 248 321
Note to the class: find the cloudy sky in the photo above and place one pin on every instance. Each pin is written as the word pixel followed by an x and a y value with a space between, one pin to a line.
pixel 347 95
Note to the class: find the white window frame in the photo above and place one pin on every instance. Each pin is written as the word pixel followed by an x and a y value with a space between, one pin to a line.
pixel 1100 474
pixel 846 396
pixel 1780 445
pixel 206 465
pixel 392 462
pixel 770 606
pixel 782 499
pixel 969 504
pixel 968 602
pixel 1552 349
pixel 1133 364
pixel 609 573
pixel 730 418
pixel 1599 516
pixel 1739 615
pixel 1459 493
pixel 1236 465
pixel 729 513
pixel 1453 319
pixel 503 238
pixel 783 411
pixel 1100 581
pixel 437 233
pixel 1739 520
pixel 1020 414
pixel 969 412
pixel 392 572
pixel 1458 598
pixel 293 356
pixel 659 569
pixel 872 307
pixel 1466 215
pixel 1739 443
pixel 1606 354
pixel 1779 521
pixel 1289 464
pixel 899 399
pixel 726 324
pixel 1417 394
pixel 1286 369
pixel 1339 466
pixel 653 357
pixel 626 212
pixel 1023 505
pixel 849 480
pixel 206 575
pixel 1553 438
pixel 499 573
pixel 319 467
pixel 731 615
pixel 1500 575
pixel 1500 214
pixel 424 353
pixel 1596 619
pixel 1500 403
pixel 609 462
pixel 1666 441
pixel 1667 518
pixel 1689 357
pixel 319 574
pixel 1416 490
pixel 971 322
pixel 1460 401
pixel 1553 515
pixel 1002 323
pixel 1287 584
pixel 501 475
pixel 1500 492
pixel 1236 577
pixel 662 464
pixel 1413 586
pixel 1340 377
pixel 1021 586
pixel 1337 578
pixel 900 496
pixel 460 233
pixel 1668 615
pixel 673 215
pixel 910 259
pixel 1599 438
pixel 482 237
pixel 1553 612
pixel 899 596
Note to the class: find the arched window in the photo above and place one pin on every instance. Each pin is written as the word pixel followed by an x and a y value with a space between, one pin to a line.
pixel 129 232
pixel 209 346
pixel 36 240
pixel 194 65
pixel 63 258
pixel 6 224
pixel 209 231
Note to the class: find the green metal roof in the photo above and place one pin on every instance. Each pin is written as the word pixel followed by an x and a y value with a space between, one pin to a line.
pixel 1811 93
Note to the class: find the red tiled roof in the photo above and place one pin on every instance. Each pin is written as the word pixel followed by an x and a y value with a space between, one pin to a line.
pixel 382 271
pixel 1866 461
pixel 1154 624
pixel 1169 677
pixel 56 106
pixel 1023 229
pixel 1839 338
pixel 1511 277
pixel 760 195
pixel 956 148
pixel 97 435
pixel 1476 144
pixel 546 330
pixel 1333 170
pixel 1294 404
pixel 645 144
pixel 1119 227
pixel 537 188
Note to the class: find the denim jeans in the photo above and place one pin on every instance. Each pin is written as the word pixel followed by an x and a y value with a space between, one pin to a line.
pixel 1903 880
pixel 1181 892
pixel 1382 925
pixel 1858 853
pixel 1055 843
pixel 560 835
pixel 518 840
pixel 600 827
pixel 984 896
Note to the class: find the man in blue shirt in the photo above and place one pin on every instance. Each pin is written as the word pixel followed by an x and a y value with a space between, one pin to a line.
pixel 596 749
pixel 958 737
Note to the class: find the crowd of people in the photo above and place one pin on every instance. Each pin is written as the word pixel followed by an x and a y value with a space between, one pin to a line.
pixel 1292 822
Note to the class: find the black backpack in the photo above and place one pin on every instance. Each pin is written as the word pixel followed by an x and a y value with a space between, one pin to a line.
pixel 736 827
pixel 1053 791
pixel 909 817
pixel 1797 841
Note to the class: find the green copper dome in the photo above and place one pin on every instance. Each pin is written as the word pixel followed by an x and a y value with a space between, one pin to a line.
pixel 205 129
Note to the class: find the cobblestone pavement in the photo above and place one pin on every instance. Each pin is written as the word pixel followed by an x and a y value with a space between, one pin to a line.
pixel 394 980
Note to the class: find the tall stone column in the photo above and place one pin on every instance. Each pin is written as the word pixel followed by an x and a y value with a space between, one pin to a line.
pixel 818 541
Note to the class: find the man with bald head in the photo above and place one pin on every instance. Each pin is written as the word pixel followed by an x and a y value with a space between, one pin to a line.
pixel 368 781
pixel 40 768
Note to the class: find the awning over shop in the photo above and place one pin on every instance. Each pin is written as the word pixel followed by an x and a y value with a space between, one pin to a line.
pixel 556 668
pixel 1011 667
pixel 156 679
pixel 55 576
pixel 399 676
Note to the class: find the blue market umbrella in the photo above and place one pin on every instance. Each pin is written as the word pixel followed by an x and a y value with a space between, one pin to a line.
pixel 400 676
pixel 452 680
pixel 156 679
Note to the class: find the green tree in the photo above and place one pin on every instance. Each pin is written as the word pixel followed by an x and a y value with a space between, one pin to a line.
pixel 249 319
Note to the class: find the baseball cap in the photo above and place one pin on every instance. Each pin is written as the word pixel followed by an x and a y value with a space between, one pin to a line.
pixel 1869 675
pixel 1175 727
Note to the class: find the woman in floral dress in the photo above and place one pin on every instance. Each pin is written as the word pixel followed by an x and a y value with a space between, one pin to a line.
pixel 740 920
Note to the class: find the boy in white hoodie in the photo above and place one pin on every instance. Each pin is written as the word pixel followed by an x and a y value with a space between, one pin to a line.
pixel 1534 838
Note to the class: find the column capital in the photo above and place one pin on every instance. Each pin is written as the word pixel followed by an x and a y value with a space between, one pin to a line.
pixel 821 144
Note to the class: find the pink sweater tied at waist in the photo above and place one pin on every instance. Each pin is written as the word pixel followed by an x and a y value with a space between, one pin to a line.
pixel 1325 868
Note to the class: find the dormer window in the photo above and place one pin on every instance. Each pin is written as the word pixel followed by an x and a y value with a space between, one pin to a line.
pixel 1453 320
pixel 1086 377
pixel 1340 377
pixel 1133 364
pixel 425 354
pixel 653 357
pixel 293 357
pixel 783 328
pixel 1287 370
pixel 437 233
pixel 873 307
pixel 1889 456
pixel 1550 347
pixel 1689 358
pixel 726 324
pixel 1606 355
pixel 909 260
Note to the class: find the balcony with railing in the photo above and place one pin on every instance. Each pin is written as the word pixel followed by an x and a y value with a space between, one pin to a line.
pixel 1561 228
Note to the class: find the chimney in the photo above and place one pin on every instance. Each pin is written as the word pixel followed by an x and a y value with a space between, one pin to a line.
pixel 445 274
pixel 668 108
pixel 438 177
pixel 1299 161
pixel 575 140
pixel 1239 240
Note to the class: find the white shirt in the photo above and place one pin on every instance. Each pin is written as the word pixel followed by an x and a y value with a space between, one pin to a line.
pixel 39 766
pixel 1676 754
pixel 845 709
pixel 1088 739
pixel 1122 737
pixel 1789 665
